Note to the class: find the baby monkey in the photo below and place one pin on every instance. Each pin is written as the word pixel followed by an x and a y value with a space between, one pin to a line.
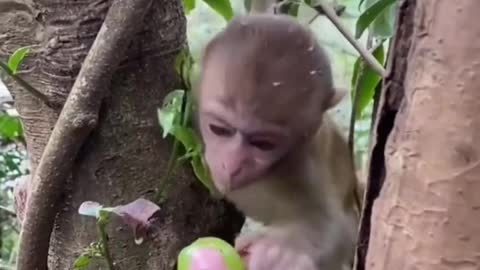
pixel 262 98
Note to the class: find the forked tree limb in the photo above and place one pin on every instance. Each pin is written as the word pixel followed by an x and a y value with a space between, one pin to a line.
pixel 78 118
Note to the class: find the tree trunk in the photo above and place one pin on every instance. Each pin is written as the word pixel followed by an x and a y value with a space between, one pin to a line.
pixel 426 214
pixel 125 157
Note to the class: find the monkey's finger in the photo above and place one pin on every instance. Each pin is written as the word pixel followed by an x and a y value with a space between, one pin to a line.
pixel 263 256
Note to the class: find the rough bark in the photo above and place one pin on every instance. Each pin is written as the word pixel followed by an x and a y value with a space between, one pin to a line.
pixel 425 216
pixel 78 118
pixel 125 157
pixel 388 104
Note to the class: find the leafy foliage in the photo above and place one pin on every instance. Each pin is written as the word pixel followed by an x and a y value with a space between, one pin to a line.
pixel 364 82
pixel 12 166
pixel 188 5
pixel 377 17
pixel 12 157
pixel 223 7
pixel 10 127
pixel 16 58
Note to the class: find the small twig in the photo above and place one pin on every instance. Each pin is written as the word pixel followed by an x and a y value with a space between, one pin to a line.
pixel 164 183
pixel 32 90
pixel 364 53
pixel 105 248
pixel 9 211
pixel 14 228
pixel 314 18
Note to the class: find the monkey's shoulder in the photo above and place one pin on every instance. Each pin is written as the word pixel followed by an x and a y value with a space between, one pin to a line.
pixel 333 156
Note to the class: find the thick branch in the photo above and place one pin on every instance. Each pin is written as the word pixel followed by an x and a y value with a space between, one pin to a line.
pixel 77 119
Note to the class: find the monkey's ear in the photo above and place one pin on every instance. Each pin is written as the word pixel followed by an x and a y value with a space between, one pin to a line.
pixel 338 95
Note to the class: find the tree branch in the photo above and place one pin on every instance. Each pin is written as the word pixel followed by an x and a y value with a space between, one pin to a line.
pixel 324 8
pixel 32 90
pixel 78 118
pixel 8 211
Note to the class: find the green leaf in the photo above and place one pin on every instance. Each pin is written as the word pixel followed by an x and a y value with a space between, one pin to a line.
pixel 170 114
pixel 201 171
pixel 167 118
pixel 16 58
pixel 223 7
pixel 364 81
pixel 370 14
pixel 174 99
pixel 360 3
pixel 247 4
pixel 10 163
pixel 81 262
pixel 189 5
pixel 104 215
pixel 293 9
pixel 179 59
pixel 184 63
pixel 187 137
pixel 384 25
pixel 10 127
pixel 193 145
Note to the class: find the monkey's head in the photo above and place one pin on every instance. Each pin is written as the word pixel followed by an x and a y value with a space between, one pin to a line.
pixel 264 85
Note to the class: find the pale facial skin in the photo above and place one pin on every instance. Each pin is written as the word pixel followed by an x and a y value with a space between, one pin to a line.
pixel 238 147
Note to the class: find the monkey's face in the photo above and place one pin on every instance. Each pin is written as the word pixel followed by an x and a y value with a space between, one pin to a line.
pixel 239 149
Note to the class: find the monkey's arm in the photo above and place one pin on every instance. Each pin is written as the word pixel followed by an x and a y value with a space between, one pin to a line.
pixel 326 245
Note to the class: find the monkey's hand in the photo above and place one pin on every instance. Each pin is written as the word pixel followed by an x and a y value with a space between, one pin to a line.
pixel 267 252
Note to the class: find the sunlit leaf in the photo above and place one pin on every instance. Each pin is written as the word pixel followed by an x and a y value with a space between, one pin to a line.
pixel 189 5
pixel 370 14
pixel 16 58
pixel 174 98
pixel 364 81
pixel 201 171
pixel 167 117
pixel 293 9
pixel 223 7
pixel 170 114
pixel 187 136
pixel 192 143
pixel 384 25
pixel 10 127
pixel 81 262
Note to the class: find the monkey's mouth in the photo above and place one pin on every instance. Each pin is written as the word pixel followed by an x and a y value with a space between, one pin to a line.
pixel 244 253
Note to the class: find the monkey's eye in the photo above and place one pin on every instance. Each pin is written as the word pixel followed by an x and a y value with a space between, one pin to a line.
pixel 262 144
pixel 221 131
